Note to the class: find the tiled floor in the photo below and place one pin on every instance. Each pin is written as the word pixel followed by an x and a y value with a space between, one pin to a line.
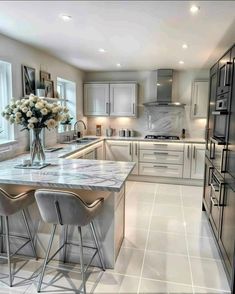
pixel 168 249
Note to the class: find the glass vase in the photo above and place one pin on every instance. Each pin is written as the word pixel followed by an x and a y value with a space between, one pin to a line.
pixel 36 149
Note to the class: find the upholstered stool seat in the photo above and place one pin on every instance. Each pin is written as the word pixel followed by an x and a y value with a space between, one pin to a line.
pixel 10 205
pixel 67 208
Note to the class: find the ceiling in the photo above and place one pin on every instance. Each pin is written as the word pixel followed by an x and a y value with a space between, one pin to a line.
pixel 140 35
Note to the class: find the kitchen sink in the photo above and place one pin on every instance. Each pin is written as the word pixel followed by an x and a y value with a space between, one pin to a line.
pixel 84 140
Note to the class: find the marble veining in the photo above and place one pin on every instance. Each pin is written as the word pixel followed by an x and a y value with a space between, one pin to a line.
pixel 68 173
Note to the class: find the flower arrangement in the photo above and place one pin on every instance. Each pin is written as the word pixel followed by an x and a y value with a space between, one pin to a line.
pixel 35 113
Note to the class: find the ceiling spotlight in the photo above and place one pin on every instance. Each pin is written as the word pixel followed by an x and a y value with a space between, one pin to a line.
pixel 185 46
pixel 194 9
pixel 102 50
pixel 118 64
pixel 181 62
pixel 65 17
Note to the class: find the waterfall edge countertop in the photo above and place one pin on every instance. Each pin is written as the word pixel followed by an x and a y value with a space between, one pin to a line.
pixel 63 173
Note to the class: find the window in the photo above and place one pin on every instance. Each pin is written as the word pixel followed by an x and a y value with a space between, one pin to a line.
pixel 5 97
pixel 67 95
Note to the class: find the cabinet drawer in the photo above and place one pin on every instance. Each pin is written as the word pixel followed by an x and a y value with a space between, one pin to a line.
pixel 161 170
pixel 161 146
pixel 173 157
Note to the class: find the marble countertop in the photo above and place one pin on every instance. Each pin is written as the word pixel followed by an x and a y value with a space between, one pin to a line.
pixel 68 173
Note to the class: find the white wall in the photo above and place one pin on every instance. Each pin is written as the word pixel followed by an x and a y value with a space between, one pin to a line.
pixel 18 53
pixel 181 92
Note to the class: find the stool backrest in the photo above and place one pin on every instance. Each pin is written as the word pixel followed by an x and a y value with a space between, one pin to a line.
pixel 62 207
pixel 5 203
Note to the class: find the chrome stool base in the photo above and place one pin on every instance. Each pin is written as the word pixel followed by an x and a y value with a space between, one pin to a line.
pixel 7 236
pixel 65 243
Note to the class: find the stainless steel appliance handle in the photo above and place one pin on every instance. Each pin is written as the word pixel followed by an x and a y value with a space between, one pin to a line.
pixel 161 153
pixel 211 168
pixel 223 161
pixel 212 150
pixel 214 201
pixel 227 74
pixel 216 188
pixel 161 166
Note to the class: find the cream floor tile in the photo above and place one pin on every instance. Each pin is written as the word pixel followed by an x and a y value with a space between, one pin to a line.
pixel 193 214
pixel 198 228
pixel 167 242
pixel 135 238
pixel 166 189
pixel 209 274
pixel 168 199
pixel 167 224
pixel 151 286
pixel 114 283
pixel 202 247
pixel 138 209
pixel 192 201
pixel 198 290
pixel 168 210
pixel 191 190
pixel 129 262
pixel 167 267
pixel 137 221
pixel 142 193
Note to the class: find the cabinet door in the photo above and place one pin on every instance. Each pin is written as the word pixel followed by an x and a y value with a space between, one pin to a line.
pixel 89 155
pixel 200 92
pixel 198 161
pixel 123 99
pixel 207 185
pixel 118 151
pixel 99 153
pixel 96 99
pixel 135 157
pixel 227 232
pixel 187 161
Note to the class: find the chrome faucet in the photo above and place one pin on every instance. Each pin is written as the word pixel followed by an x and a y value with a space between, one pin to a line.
pixel 75 133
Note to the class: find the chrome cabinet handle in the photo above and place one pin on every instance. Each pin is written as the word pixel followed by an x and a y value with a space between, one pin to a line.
pixel 133 108
pixel 161 166
pixel 161 145
pixel 107 107
pixel 223 161
pixel 136 149
pixel 194 152
pixel 214 201
pixel 130 149
pixel 188 152
pixel 161 153
pixel 195 109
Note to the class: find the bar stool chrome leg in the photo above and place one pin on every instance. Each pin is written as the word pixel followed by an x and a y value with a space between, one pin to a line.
pixel 46 258
pixel 65 242
pixel 1 232
pixel 8 250
pixel 97 245
pixel 81 261
pixel 29 234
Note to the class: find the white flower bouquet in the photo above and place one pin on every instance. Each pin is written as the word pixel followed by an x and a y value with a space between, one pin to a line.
pixel 35 113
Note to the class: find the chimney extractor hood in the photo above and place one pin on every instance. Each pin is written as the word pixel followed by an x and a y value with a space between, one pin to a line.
pixel 164 89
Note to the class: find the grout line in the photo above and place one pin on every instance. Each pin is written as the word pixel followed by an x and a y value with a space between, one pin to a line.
pixel 146 243
pixel 186 239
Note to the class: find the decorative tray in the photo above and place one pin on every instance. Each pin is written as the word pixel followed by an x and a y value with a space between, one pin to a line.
pixel 32 166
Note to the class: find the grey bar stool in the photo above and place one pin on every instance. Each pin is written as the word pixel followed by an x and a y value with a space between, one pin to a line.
pixel 10 205
pixel 67 208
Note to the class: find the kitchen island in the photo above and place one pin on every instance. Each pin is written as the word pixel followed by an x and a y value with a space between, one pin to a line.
pixel 91 179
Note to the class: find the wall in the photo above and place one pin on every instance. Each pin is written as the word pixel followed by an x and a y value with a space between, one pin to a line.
pixel 18 53
pixel 178 118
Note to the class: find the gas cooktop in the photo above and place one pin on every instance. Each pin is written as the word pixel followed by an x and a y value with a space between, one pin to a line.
pixel 162 137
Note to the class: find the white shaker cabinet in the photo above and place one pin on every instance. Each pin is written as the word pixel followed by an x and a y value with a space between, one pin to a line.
pixel 110 99
pixel 123 99
pixel 199 102
pixel 198 161
pixel 96 99
pixel 123 151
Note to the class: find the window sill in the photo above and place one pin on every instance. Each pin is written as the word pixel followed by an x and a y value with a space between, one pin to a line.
pixel 4 143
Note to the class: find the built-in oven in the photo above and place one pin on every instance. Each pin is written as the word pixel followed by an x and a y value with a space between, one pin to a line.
pixel 216 197
pixel 221 117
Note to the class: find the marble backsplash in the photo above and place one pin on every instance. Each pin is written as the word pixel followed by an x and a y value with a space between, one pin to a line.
pixel 164 119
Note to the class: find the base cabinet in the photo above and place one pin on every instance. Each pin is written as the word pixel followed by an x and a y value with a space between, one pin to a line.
pixel 194 158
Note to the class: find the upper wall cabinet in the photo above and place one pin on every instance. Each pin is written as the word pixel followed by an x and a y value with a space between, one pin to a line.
pixel 116 99
pixel 200 92
pixel 96 99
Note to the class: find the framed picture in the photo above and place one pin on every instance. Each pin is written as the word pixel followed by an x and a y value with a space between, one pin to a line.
pixel 49 88
pixel 29 82
pixel 44 76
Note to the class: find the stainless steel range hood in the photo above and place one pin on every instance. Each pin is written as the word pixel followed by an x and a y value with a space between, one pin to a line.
pixel 163 84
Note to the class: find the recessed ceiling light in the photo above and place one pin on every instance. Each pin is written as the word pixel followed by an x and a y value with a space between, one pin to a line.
pixel 194 9
pixel 102 50
pixel 118 64
pixel 181 62
pixel 65 17
pixel 185 46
